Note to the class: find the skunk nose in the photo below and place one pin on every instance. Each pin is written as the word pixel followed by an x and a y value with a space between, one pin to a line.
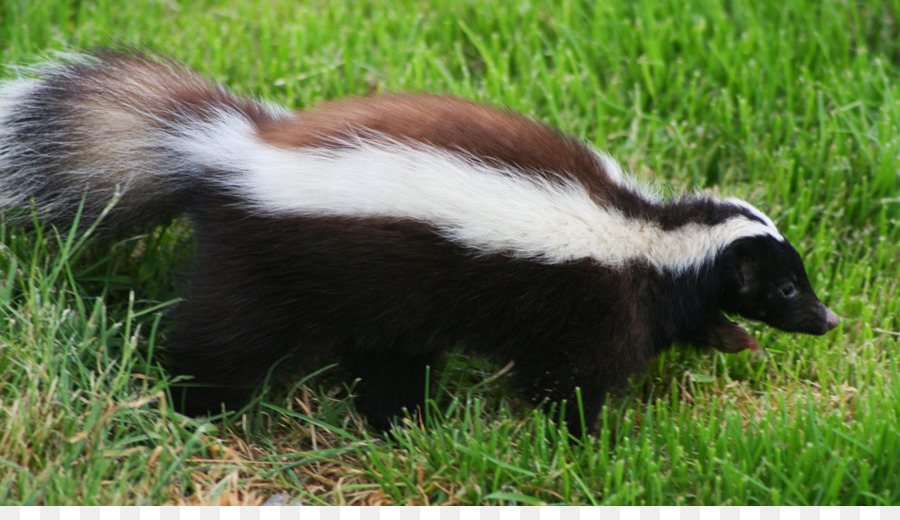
pixel 831 319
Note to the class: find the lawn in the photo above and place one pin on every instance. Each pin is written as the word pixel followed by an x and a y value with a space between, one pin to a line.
pixel 793 105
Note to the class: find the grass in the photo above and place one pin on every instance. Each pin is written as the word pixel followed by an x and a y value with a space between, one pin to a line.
pixel 793 105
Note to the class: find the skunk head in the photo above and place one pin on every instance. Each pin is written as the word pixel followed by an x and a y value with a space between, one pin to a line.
pixel 763 278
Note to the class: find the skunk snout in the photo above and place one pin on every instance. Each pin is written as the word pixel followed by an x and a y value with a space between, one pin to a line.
pixel 826 320
pixel 831 319
pixel 814 318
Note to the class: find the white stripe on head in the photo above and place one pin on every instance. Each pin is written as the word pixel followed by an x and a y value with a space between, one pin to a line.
pixel 487 209
pixel 773 231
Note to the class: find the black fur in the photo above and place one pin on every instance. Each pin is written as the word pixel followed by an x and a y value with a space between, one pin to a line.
pixel 386 298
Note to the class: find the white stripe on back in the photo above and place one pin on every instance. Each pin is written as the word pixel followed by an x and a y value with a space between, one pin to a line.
pixel 487 209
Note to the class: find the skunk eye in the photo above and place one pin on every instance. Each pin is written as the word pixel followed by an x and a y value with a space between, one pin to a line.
pixel 788 290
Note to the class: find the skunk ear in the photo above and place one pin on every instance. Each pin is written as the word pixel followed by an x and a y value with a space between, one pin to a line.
pixel 745 272
pixel 739 268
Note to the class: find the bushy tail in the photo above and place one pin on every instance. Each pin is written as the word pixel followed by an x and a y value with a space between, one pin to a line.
pixel 109 126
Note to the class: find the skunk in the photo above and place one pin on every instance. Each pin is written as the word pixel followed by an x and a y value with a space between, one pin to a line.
pixel 382 232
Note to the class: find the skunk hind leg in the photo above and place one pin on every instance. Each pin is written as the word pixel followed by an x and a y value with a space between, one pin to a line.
pixel 197 399
pixel 387 385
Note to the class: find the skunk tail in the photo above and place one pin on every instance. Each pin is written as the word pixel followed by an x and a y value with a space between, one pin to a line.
pixel 111 127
